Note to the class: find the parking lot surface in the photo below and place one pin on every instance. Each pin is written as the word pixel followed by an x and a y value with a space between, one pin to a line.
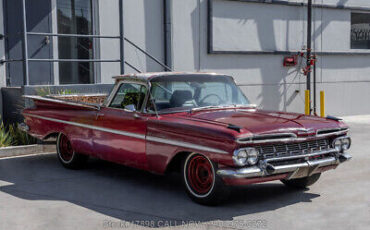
pixel 36 192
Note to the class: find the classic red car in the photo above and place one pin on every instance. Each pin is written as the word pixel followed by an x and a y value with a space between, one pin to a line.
pixel 197 123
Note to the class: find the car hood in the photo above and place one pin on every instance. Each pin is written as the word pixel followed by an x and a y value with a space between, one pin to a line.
pixel 262 122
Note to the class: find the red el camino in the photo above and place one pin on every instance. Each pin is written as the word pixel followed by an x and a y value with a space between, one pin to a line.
pixel 199 124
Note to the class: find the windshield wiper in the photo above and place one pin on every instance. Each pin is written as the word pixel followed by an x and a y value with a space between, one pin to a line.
pixel 221 107
pixel 205 107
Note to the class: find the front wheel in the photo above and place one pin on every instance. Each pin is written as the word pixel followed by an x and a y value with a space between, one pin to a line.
pixel 66 154
pixel 302 183
pixel 202 184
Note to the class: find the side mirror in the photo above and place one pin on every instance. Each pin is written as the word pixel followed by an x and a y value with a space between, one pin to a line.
pixel 130 108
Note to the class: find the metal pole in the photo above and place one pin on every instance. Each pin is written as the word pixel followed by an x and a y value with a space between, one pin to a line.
pixel 73 35
pixel 122 38
pixel 314 87
pixel 147 54
pixel 26 80
pixel 309 40
pixel 167 5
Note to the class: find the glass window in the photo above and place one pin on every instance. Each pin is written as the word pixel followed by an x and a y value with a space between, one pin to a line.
pixel 75 17
pixel 360 31
pixel 129 94
pixel 183 93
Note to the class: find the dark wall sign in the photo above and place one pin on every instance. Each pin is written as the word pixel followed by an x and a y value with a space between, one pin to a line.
pixel 360 31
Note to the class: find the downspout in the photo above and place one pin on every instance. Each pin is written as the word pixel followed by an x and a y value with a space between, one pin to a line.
pixel 167 27
pixel 309 50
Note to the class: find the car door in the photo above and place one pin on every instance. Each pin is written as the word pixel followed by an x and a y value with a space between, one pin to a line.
pixel 121 127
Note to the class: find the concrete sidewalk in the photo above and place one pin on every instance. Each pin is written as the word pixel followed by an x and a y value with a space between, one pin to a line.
pixel 36 192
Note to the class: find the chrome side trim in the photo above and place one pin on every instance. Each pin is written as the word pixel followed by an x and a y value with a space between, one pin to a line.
pixel 114 131
pixel 134 135
pixel 185 145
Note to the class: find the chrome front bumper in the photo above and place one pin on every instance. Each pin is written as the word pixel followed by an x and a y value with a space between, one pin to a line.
pixel 297 170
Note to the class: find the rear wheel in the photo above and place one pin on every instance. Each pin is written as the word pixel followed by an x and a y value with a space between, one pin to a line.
pixel 201 181
pixel 302 183
pixel 67 156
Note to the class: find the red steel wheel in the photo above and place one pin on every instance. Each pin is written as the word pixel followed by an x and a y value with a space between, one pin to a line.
pixel 65 149
pixel 200 174
pixel 67 155
pixel 202 184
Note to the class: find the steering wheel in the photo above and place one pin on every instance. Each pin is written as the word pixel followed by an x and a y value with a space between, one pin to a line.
pixel 210 95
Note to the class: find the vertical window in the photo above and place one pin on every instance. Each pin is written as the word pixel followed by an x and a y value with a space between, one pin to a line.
pixel 75 17
pixel 129 94
pixel 360 31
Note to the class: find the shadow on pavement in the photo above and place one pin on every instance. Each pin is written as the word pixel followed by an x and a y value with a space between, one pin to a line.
pixel 132 195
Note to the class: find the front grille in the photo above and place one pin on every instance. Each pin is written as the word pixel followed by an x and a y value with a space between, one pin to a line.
pixel 292 149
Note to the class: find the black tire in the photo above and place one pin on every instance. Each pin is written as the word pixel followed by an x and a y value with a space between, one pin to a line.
pixel 67 156
pixel 302 183
pixel 213 192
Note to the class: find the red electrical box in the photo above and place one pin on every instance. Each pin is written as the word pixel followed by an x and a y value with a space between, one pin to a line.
pixel 290 61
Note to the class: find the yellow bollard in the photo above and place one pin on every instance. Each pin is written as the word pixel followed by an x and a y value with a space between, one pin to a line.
pixel 307 106
pixel 322 103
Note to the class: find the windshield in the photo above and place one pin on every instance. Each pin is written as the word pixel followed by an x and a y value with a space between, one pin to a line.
pixel 186 93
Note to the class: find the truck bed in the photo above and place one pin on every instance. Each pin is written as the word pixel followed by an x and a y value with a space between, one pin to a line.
pixel 89 102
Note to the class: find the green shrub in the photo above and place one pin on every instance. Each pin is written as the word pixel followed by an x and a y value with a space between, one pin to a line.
pixel 47 91
pixel 5 137
pixel 66 92
pixel 20 137
pixel 43 91
pixel 13 136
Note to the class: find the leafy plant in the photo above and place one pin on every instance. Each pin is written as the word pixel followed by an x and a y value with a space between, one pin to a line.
pixel 20 137
pixel 43 91
pixel 5 137
pixel 47 91
pixel 66 92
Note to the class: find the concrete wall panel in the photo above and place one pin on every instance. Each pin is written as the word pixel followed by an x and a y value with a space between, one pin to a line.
pixel 144 26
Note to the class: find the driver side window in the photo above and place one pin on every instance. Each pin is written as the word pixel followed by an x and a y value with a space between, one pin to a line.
pixel 129 94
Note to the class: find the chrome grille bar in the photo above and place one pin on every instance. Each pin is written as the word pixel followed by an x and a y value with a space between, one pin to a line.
pixel 293 149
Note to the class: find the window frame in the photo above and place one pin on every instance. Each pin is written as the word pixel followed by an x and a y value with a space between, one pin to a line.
pixel 116 89
pixel 95 24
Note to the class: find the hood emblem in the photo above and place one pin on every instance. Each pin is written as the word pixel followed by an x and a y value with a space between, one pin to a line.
pixel 306 132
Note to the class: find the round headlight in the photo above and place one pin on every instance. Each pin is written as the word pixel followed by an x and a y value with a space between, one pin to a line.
pixel 337 145
pixel 246 156
pixel 240 157
pixel 346 143
pixel 252 156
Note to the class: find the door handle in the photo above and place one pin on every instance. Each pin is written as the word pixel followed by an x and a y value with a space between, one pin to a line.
pixel 99 115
